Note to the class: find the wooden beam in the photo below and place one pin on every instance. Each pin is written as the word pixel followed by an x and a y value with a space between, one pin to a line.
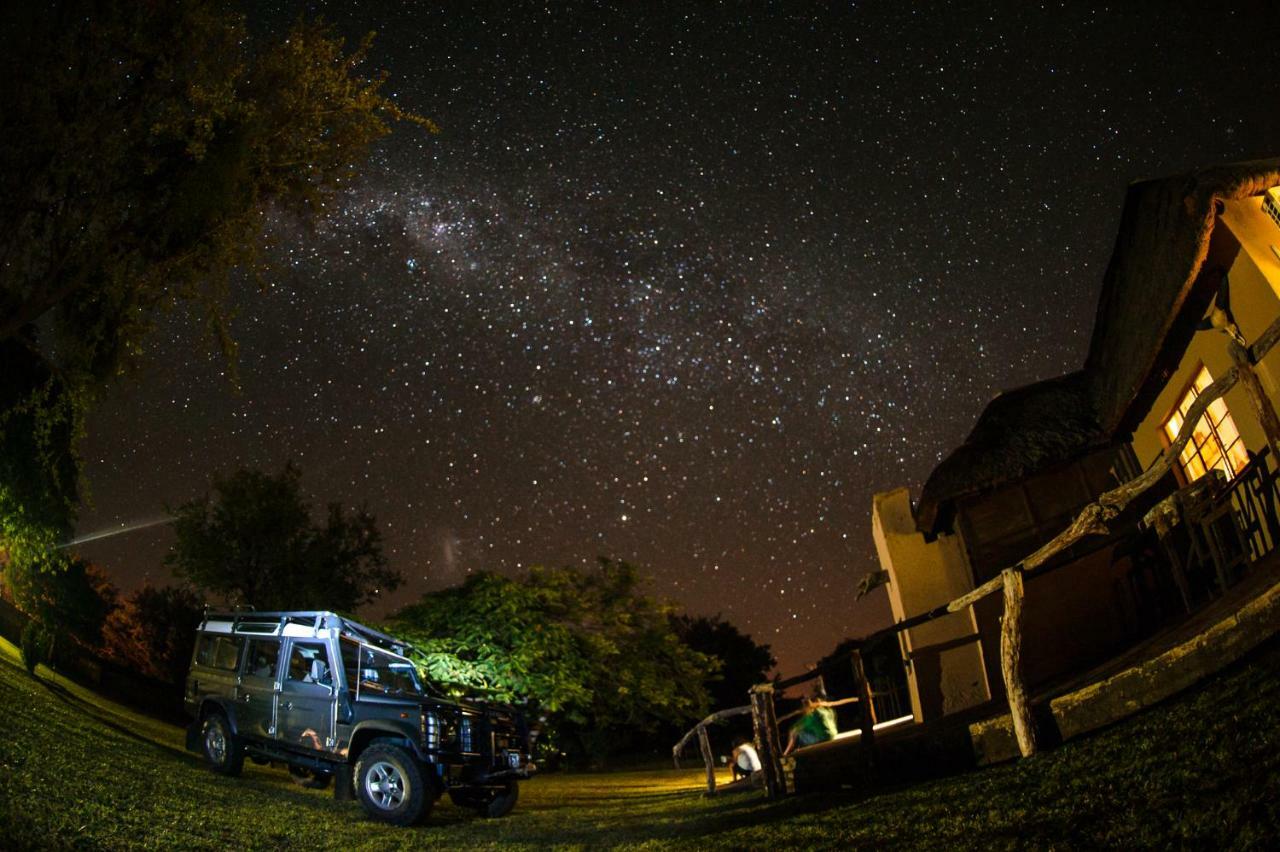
pixel 1262 407
pixel 704 743
pixel 1011 661
pixel 868 724
pixel 839 703
pixel 719 715
pixel 1265 342
pixel 767 741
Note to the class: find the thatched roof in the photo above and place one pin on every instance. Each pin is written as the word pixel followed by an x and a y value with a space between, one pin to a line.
pixel 1020 432
pixel 1162 244
pixel 1146 317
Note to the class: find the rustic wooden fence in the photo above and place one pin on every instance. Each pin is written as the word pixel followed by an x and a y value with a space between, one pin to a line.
pixel 1094 520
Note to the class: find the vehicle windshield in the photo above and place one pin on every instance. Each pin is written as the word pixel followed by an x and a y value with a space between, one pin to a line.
pixel 386 674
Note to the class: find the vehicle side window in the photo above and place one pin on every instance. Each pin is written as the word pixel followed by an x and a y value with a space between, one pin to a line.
pixel 263 657
pixel 351 663
pixel 219 652
pixel 383 674
pixel 309 663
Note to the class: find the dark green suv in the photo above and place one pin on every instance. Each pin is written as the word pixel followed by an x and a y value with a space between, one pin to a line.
pixel 334 700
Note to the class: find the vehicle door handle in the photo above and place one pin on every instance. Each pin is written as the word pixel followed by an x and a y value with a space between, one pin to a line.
pixel 245 698
pixel 288 705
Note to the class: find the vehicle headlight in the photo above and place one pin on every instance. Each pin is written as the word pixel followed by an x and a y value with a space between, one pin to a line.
pixel 430 730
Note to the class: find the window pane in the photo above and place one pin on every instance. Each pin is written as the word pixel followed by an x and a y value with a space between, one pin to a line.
pixel 1213 432
pixel 1202 432
pixel 1227 431
pixel 1195 469
pixel 309 663
pixel 382 673
pixel 1238 455
pixel 207 650
pixel 351 663
pixel 264 654
pixel 228 653
pixel 219 652
pixel 1212 455
pixel 1218 410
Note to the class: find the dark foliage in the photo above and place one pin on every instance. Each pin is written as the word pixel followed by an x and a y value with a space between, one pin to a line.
pixel 68 600
pixel 254 543
pixel 586 647
pixel 35 645
pixel 743 662
pixel 153 632
pixel 69 596
pixel 142 143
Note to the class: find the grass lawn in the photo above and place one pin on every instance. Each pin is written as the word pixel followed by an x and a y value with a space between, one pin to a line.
pixel 1203 770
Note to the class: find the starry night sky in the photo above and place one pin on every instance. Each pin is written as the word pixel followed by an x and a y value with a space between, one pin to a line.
pixel 684 284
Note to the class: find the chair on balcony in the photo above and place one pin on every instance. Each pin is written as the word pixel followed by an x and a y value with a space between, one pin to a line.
pixel 1255 501
pixel 1216 537
pixel 1201 537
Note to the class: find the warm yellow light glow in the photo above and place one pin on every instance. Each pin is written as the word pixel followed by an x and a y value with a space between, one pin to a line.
pixel 1215 441
pixel 1271 204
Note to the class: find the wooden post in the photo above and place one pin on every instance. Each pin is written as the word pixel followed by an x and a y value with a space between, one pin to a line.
pixel 764 721
pixel 1257 396
pixel 866 707
pixel 1011 661
pixel 714 717
pixel 704 742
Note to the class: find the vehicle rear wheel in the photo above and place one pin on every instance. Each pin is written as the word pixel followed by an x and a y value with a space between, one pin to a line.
pixel 222 749
pixel 310 778
pixel 390 785
pixel 490 802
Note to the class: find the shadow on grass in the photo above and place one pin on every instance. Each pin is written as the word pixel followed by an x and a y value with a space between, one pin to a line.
pixel 731 815
pixel 108 719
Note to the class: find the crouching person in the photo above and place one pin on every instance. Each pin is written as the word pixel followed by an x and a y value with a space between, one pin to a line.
pixel 746 762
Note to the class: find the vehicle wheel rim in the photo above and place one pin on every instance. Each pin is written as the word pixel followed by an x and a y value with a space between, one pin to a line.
pixel 215 744
pixel 385 785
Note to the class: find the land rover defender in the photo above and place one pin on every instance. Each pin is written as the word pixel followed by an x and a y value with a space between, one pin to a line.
pixel 335 701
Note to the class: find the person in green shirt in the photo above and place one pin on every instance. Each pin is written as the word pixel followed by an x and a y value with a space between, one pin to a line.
pixel 816 724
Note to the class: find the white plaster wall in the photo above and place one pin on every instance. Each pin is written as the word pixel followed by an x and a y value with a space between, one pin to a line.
pixel 945 671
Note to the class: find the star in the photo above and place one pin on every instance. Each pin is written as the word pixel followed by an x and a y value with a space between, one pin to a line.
pixel 683 285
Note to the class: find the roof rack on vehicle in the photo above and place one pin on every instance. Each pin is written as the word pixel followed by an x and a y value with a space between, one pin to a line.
pixel 318 620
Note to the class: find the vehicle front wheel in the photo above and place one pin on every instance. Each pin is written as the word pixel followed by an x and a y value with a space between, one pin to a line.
pixel 310 778
pixel 222 749
pixel 390 785
pixel 490 802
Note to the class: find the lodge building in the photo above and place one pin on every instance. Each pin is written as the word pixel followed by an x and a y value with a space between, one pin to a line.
pixel 1196 266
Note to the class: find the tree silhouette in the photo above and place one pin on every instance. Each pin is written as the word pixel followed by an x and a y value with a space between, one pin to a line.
pixel 254 543
pixel 743 662
pixel 142 145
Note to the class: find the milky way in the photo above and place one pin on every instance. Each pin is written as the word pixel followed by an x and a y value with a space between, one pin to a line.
pixel 683 287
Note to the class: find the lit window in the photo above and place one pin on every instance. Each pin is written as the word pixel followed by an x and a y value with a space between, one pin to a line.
pixel 1215 442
